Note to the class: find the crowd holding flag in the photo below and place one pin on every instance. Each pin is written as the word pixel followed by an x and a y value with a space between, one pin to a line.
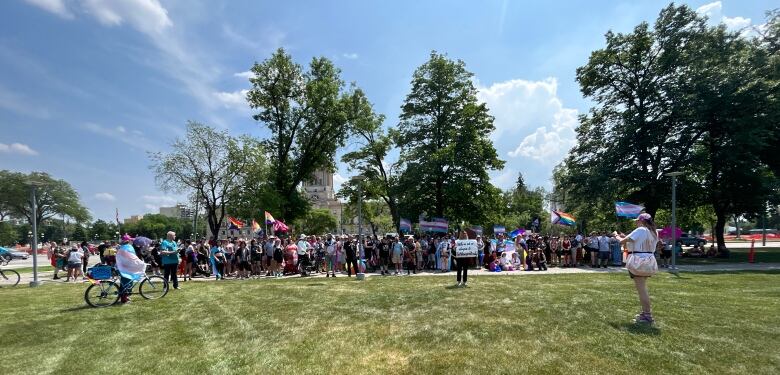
pixel 628 210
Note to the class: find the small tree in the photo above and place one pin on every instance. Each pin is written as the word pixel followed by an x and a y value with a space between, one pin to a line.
pixel 53 197
pixel 207 162
pixel 317 221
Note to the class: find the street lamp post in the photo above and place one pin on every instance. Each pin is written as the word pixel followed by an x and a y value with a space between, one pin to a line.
pixel 34 240
pixel 117 235
pixel 674 175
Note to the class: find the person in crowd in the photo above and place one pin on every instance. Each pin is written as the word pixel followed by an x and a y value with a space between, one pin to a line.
pixel 444 255
pixel 242 255
pixel 371 253
pixel 665 249
pixel 566 251
pixel 256 252
pixel 425 246
pixel 330 256
pixel 398 252
pixel 350 253
pixel 555 251
pixel 517 263
pixel 617 253
pixel 109 255
pixel 229 249
pixel 155 261
pixel 504 262
pixel 409 257
pixel 217 257
pixel 101 250
pixel 642 243
pixel 278 258
pixel 75 257
pixel 711 252
pixel 169 251
pixel 603 241
pixel 548 253
pixel 85 260
pixel 576 246
pixel 418 254
pixel 187 260
pixel 540 258
pixel 268 248
pixel 303 254
pixel 384 256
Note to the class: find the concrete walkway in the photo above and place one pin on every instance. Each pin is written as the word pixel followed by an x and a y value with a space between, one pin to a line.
pixel 47 276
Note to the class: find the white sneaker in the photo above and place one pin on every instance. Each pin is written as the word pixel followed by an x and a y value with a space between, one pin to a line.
pixel 460 284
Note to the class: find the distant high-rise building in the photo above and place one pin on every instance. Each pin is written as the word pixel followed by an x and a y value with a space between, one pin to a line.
pixel 179 211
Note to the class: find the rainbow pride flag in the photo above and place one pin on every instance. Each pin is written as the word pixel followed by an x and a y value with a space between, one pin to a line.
pixel 235 223
pixel 562 218
pixel 255 226
pixel 268 218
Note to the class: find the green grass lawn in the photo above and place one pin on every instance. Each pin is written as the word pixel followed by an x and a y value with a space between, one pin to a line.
pixel 29 269
pixel 762 255
pixel 706 323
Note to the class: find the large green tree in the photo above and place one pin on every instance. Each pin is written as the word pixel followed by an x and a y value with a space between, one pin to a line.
pixel 638 129
pixel 733 103
pixel 53 197
pixel 316 222
pixel 306 113
pixel 445 153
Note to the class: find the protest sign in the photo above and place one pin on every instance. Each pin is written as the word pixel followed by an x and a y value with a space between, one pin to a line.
pixel 466 248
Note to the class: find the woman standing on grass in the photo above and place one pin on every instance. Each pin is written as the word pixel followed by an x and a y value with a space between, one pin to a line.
pixel 641 243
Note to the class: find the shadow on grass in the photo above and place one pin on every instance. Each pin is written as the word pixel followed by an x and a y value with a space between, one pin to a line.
pixel 637 328
pixel 76 308
pixel 315 284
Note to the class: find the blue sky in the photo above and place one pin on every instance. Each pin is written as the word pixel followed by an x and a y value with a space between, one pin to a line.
pixel 88 87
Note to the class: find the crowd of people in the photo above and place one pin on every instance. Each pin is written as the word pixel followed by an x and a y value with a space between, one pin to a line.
pixel 340 255
pixel 333 255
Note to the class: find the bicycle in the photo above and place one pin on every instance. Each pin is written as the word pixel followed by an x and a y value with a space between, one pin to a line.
pixel 9 278
pixel 105 289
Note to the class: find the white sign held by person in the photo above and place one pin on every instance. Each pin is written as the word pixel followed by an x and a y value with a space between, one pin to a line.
pixel 466 248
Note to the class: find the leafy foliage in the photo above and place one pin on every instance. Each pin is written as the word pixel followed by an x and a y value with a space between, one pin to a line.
pixel 53 197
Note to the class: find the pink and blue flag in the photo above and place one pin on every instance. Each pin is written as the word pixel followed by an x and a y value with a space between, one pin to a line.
pixel 437 225
pixel 629 210
pixel 406 225
pixel 516 232
pixel 128 264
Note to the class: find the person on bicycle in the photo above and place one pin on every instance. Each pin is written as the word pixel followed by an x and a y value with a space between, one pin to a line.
pixel 130 267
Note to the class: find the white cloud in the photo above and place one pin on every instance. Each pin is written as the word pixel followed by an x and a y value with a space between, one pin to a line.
pixel 233 100
pixel 151 207
pixel 338 180
pixel 247 75
pixel 736 23
pixel 350 56
pixel 17 148
pixel 54 6
pixel 712 10
pixel 148 16
pixel 534 130
pixel 108 197
pixel 121 129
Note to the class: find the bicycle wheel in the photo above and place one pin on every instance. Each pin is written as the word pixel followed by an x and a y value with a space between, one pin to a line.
pixel 9 278
pixel 103 294
pixel 153 287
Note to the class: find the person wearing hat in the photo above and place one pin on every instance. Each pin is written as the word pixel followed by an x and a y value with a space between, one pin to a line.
pixel 642 243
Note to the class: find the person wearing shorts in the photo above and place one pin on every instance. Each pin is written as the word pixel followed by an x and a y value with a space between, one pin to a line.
pixel 75 257
pixel 384 256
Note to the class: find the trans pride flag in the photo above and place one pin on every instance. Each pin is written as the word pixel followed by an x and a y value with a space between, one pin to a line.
pixel 128 264
pixel 562 218
pixel 406 225
pixel 516 232
pixel 625 209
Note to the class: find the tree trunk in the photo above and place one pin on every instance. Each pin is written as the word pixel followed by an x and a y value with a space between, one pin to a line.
pixel 720 223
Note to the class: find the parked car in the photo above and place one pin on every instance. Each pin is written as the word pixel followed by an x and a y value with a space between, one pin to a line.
pixel 687 239
pixel 9 254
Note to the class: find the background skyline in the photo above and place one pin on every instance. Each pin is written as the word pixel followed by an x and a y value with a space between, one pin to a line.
pixel 87 88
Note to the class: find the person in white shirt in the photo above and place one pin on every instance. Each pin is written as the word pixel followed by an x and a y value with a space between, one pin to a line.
pixel 303 253
pixel 75 257
pixel 642 242
pixel 603 250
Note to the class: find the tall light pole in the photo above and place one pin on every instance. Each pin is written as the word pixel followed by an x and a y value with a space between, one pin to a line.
pixel 34 240
pixel 674 175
